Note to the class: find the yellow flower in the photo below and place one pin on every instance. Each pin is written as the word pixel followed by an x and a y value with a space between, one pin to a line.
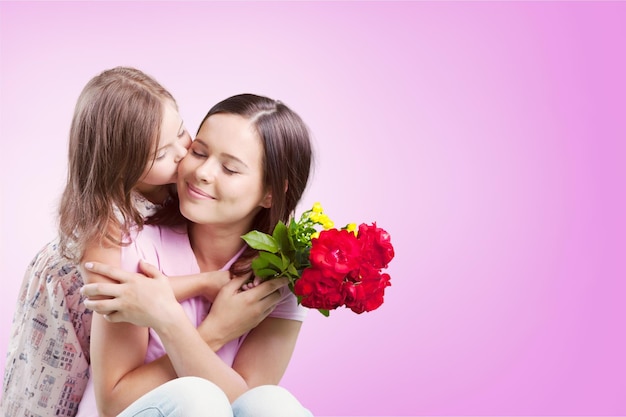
pixel 316 218
pixel 317 208
pixel 351 228
pixel 315 235
pixel 324 220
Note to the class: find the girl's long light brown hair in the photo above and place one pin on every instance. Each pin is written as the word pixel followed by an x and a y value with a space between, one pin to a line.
pixel 113 138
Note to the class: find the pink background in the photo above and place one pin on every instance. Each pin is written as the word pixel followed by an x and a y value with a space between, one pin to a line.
pixel 487 138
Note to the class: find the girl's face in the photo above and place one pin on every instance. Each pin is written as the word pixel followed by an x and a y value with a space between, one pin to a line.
pixel 220 181
pixel 173 145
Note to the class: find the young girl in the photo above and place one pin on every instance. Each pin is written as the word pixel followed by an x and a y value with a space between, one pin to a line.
pixel 246 169
pixel 125 143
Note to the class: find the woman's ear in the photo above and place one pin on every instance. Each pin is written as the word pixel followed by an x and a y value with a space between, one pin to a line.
pixel 267 200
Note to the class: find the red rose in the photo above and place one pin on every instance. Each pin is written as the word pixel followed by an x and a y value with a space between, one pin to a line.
pixel 335 252
pixel 317 290
pixel 366 295
pixel 376 247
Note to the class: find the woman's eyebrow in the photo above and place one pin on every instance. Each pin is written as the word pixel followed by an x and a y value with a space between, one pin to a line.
pixel 234 158
pixel 201 142
pixel 225 155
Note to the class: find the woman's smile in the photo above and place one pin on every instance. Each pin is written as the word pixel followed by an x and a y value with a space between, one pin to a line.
pixel 195 192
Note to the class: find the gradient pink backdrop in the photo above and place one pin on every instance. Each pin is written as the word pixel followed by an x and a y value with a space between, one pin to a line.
pixel 488 138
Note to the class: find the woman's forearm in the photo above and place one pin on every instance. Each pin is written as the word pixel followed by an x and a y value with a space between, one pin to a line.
pixel 190 355
pixel 122 381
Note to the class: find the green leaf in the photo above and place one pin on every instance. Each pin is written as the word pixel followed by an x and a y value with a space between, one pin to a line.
pixel 292 270
pixel 260 241
pixel 272 260
pixel 260 263
pixel 265 273
pixel 281 236
pixel 326 313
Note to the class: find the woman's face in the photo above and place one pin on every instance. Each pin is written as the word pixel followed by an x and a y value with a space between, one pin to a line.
pixel 174 142
pixel 220 181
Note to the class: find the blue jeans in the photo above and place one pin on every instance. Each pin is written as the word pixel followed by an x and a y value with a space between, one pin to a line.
pixel 192 396
pixel 268 401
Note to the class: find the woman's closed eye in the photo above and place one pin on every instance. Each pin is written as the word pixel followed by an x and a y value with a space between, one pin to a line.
pixel 229 171
pixel 198 154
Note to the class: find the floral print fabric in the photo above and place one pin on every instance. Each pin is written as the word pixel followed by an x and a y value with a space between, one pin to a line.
pixel 47 364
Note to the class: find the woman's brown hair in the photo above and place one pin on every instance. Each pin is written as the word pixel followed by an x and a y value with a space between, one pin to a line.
pixel 287 162
pixel 113 138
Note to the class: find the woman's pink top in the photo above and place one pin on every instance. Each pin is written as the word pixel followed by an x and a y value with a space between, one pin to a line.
pixel 170 251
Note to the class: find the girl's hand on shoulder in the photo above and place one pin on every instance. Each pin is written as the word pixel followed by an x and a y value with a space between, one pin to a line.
pixel 144 299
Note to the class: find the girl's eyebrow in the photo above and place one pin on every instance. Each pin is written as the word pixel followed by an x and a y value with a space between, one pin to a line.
pixel 225 155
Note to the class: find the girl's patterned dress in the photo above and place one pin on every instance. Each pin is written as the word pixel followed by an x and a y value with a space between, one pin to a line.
pixel 47 364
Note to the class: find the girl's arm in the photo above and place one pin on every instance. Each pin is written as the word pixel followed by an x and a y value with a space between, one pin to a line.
pixel 203 284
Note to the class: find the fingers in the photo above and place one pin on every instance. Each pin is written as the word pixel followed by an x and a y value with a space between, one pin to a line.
pixel 149 270
pixel 100 289
pixel 115 274
pixel 236 283
pixel 120 275
pixel 267 294
pixel 270 286
pixel 251 284
pixel 104 307
pixel 113 317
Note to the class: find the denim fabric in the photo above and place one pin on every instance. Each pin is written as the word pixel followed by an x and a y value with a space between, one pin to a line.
pixel 269 401
pixel 182 397
pixel 191 396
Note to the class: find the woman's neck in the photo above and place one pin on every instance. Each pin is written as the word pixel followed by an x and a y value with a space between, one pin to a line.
pixel 214 246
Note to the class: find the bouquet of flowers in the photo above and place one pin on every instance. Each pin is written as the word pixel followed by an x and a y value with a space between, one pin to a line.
pixel 327 269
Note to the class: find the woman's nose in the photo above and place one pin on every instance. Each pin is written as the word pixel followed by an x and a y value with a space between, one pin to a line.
pixel 206 171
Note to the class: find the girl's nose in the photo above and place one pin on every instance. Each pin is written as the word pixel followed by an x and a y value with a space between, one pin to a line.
pixel 181 148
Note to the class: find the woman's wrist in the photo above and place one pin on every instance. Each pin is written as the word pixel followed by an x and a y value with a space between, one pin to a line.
pixel 212 334
pixel 170 319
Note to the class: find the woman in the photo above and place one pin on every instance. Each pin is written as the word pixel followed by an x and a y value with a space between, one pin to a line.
pixel 246 169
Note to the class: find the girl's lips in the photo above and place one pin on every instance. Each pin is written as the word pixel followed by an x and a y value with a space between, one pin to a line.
pixel 197 193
